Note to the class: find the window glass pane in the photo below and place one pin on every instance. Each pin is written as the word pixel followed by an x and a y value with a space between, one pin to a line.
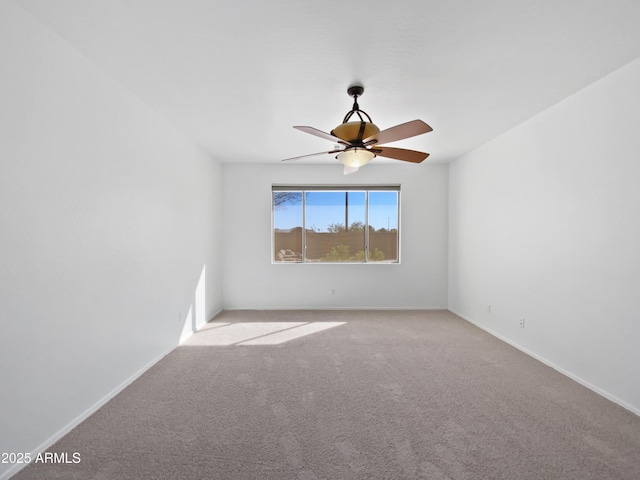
pixel 287 226
pixel 383 226
pixel 335 222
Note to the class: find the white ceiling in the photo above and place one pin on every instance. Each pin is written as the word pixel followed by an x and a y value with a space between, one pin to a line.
pixel 235 76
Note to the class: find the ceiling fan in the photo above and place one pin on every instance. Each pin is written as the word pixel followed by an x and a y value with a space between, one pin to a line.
pixel 359 142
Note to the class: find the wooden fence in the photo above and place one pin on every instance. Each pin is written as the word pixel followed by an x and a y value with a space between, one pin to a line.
pixel 320 244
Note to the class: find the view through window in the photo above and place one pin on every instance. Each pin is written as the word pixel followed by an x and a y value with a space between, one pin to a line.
pixel 336 224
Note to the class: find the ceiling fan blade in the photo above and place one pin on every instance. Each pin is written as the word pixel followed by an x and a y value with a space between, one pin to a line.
pixel 348 169
pixel 400 154
pixel 312 155
pixel 399 132
pixel 321 134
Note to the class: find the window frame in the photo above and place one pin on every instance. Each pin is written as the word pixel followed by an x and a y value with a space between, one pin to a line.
pixel 366 188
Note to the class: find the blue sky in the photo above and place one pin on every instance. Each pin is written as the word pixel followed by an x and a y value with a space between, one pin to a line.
pixel 325 208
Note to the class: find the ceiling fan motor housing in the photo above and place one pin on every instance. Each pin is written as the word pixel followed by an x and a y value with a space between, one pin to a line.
pixel 354 132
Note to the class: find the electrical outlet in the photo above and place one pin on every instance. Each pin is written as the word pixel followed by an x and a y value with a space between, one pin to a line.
pixel 521 322
pixel 333 291
pixel 488 308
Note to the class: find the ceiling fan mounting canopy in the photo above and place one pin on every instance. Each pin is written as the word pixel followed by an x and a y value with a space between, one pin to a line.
pixel 362 139
pixel 355 90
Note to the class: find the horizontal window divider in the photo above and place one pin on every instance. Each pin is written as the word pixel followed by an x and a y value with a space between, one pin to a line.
pixel 340 188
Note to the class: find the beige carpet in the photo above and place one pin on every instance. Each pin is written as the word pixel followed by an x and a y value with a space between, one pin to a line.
pixel 350 395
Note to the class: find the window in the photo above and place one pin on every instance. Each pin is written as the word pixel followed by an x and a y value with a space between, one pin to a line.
pixel 338 224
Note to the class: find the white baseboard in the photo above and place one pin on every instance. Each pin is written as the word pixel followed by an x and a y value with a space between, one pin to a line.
pixel 90 411
pixel 333 308
pixel 559 369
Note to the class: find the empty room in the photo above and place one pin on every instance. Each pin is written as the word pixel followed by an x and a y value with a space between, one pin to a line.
pixel 319 240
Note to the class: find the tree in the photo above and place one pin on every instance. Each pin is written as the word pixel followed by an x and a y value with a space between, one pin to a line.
pixel 356 226
pixel 280 199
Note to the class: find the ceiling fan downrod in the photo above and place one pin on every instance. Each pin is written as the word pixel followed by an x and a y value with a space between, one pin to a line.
pixel 356 91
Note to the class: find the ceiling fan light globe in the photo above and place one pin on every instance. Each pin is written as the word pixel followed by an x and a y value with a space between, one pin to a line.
pixel 355 157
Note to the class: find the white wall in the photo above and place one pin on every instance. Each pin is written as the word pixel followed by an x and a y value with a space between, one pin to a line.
pixel 108 217
pixel 545 225
pixel 251 281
